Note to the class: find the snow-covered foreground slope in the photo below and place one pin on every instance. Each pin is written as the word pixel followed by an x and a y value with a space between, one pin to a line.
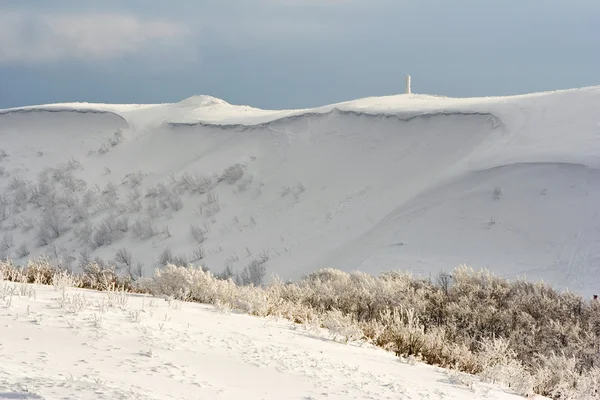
pixel 80 344
pixel 401 182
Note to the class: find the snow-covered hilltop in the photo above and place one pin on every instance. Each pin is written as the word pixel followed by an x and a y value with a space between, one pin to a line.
pixel 400 182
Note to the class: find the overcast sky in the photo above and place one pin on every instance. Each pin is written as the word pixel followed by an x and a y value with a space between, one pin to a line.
pixel 291 53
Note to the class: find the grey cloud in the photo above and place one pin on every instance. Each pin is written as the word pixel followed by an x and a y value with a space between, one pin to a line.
pixel 49 37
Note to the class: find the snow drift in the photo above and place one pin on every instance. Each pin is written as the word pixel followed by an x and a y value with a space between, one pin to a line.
pixel 400 182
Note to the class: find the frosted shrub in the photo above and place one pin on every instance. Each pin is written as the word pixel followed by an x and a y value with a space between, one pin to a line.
pixel 101 277
pixel 186 283
pixel 233 174
pixel 195 284
pixel 102 236
pixel 167 257
pixel 113 141
pixel 84 232
pixel 22 196
pixel 197 254
pixel 252 301
pixel 62 280
pixel 143 229
pixel 89 198
pixel 498 363
pixel 223 308
pixel 8 271
pixel 4 213
pixel 117 297
pixel 124 256
pixel 72 304
pixel 461 378
pixel 6 243
pixel 53 225
pixel 160 190
pixel 254 273
pixel 40 271
pixel 341 325
pixel 404 334
pixel 559 377
pixel 197 184
pixel 133 179
pixel 497 193
pixel 17 182
pixel 473 322
pixel 197 233
pixel 110 229
pixel 175 202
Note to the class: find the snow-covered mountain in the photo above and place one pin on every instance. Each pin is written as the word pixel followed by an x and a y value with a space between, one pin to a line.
pixel 401 182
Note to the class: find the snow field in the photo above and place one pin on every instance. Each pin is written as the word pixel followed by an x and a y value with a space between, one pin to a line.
pixel 61 342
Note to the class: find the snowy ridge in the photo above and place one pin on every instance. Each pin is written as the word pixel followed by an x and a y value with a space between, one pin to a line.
pixel 62 110
pixel 403 117
pixel 413 182
pixel 57 110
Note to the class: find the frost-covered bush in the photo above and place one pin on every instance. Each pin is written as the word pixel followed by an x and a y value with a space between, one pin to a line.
pixel 133 179
pixel 497 193
pixel 188 284
pixel 113 141
pixel 497 362
pixel 197 233
pixel 341 325
pixel 244 184
pixel 39 271
pixel 53 224
pixel 17 182
pixel 197 254
pixel 111 229
pixel 110 190
pixel 524 335
pixel 254 273
pixel 95 275
pixel 232 174
pixel 452 320
pixel 194 184
pixel 7 242
pixel 123 256
pixel 117 138
pixel 559 377
pixel 22 250
pixel 89 198
pixel 211 206
pixel 101 277
pixel 174 202
pixel 4 213
pixel 143 229
pixel 196 284
pixel 167 257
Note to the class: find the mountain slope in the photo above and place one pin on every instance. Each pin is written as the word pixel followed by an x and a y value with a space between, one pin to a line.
pixel 114 346
pixel 410 182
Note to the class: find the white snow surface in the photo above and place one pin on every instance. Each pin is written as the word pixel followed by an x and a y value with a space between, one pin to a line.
pixel 111 346
pixel 415 182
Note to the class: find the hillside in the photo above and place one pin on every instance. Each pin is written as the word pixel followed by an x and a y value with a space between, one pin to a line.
pixel 401 182
pixel 109 345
